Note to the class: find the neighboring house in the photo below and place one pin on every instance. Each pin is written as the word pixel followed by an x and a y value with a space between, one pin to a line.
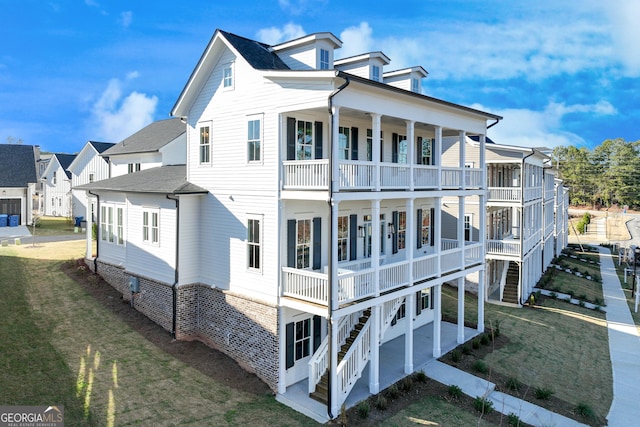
pixel 18 180
pixel 56 181
pixel 88 166
pixel 561 207
pixel 163 142
pixel 42 161
pixel 309 210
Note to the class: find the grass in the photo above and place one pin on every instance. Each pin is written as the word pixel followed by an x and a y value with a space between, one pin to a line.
pixel 53 226
pixel 67 349
pixel 558 346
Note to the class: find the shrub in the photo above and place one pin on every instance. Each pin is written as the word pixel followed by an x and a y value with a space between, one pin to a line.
pixel 420 377
pixel 585 410
pixel 475 344
pixel 513 420
pixel 456 356
pixel 454 391
pixel 381 402
pixel 513 384
pixel 480 366
pixel 483 405
pixel 363 409
pixel 466 350
pixel 393 391
pixel 586 218
pixel 406 384
pixel 543 393
pixel 580 226
pixel 484 339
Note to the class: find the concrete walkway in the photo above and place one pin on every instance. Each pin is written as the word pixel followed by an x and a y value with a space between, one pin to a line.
pixel 624 347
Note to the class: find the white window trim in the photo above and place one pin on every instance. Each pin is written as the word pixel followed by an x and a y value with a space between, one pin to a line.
pixel 259 118
pixel 149 240
pixel 260 219
pixel 200 125
pixel 229 66
pixel 120 225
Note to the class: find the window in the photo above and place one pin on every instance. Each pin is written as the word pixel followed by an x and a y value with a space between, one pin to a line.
pixel 324 59
pixel 425 299
pixel 303 339
pixel 205 144
pixel 55 179
pixel 227 76
pixel 343 143
pixel 468 221
pixel 303 243
pixel 370 145
pixel 150 227
pixel 253 140
pixel 91 176
pixel 106 223
pixel 253 244
pixel 60 202
pixel 402 149
pixel 133 167
pixel 343 238
pixel 402 229
pixel 304 141
pixel 368 234
pixel 415 85
pixel 425 151
pixel 400 314
pixel 110 224
pixel 426 227
pixel 120 225
pixel 375 73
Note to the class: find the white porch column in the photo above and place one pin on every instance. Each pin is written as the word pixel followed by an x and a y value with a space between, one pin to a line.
pixel 463 158
pixel 437 221
pixel 410 306
pixel 374 359
pixel 411 151
pixel 460 310
pixel 375 244
pixel 482 274
pixel 460 231
pixel 282 378
pixel 89 231
pixel 333 253
pixel 375 148
pixel 437 320
pixel 482 236
pixel 437 153
pixel 410 236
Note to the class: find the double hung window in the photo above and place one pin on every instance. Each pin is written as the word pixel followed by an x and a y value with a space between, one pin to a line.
pixel 151 226
pixel 254 137
pixel 253 244
pixel 205 144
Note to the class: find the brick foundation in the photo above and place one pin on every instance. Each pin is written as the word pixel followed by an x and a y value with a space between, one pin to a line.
pixel 243 328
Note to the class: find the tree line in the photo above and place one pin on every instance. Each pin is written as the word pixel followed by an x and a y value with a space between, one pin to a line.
pixel 605 176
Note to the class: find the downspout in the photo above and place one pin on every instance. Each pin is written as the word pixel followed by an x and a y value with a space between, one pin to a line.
pixel 522 176
pixel 494 123
pixel 330 266
pixel 175 279
pixel 95 260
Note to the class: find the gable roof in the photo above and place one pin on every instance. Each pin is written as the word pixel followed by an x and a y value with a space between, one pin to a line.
pixel 258 55
pixel 101 146
pixel 17 165
pixel 161 180
pixel 150 138
pixel 65 160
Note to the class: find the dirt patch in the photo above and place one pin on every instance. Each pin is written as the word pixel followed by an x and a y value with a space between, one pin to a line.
pixel 210 362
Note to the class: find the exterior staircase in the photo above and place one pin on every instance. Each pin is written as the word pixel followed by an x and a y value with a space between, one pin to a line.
pixel 510 293
pixel 321 391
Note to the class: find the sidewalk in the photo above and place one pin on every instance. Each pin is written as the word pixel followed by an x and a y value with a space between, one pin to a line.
pixel 624 347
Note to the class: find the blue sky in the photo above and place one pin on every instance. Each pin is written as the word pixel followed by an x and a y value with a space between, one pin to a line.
pixel 559 72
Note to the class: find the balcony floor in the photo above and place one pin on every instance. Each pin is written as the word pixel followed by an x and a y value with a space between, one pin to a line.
pixel 391 369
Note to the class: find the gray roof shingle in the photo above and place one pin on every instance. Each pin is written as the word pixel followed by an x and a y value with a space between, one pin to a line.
pixel 17 165
pixel 65 160
pixel 163 180
pixel 150 138
pixel 257 54
pixel 101 146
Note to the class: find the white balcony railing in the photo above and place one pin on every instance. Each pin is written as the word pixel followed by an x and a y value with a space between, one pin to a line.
pixel 395 175
pixel 306 175
pixel 508 247
pixel 356 175
pixel 425 176
pixel 504 194
pixel 532 193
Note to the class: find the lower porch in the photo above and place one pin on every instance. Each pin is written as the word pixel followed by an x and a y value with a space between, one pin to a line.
pixel 392 365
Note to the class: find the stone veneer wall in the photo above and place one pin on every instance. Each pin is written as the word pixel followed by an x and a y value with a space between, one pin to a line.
pixel 243 328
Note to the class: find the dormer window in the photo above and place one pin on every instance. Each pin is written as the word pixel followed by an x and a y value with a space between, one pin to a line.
pixel 375 73
pixel 324 59
pixel 415 85
pixel 227 76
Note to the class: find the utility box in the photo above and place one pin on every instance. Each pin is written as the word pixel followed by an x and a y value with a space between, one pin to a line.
pixel 134 284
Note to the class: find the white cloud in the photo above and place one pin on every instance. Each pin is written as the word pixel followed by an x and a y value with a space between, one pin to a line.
pixel 625 28
pixel 115 117
pixel 273 35
pixel 356 40
pixel 297 7
pixel 531 128
pixel 126 18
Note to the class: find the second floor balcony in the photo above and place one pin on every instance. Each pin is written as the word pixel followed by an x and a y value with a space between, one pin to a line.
pixel 513 194
pixel 365 175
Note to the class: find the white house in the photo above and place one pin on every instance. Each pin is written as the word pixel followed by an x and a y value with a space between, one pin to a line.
pixel 88 166
pixel 162 142
pixel 307 230
pixel 56 181
pixel 18 179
